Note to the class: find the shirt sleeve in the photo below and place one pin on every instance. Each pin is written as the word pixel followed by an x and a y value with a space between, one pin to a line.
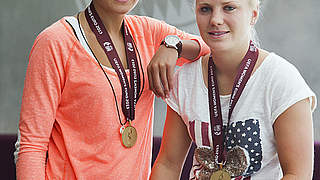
pixel 41 94
pixel 289 87
pixel 162 29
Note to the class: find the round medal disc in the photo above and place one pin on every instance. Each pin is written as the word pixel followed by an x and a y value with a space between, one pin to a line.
pixel 220 175
pixel 129 136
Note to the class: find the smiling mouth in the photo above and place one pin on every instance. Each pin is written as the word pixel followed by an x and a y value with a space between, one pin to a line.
pixel 218 34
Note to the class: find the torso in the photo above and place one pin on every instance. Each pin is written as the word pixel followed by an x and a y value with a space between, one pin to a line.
pixel 266 95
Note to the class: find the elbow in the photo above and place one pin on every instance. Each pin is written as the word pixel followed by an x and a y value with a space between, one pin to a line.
pixel 297 176
pixel 164 169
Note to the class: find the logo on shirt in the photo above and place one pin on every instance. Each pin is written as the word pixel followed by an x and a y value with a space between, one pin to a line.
pixel 130 46
pixel 253 48
pixel 217 130
pixel 108 46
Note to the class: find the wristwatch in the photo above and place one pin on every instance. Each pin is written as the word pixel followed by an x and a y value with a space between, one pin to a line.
pixel 173 41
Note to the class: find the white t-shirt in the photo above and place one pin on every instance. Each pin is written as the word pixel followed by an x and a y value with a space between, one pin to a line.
pixel 274 87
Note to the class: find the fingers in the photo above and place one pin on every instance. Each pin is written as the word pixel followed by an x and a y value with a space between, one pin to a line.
pixel 161 70
pixel 154 80
pixel 164 80
pixel 170 72
pixel 149 71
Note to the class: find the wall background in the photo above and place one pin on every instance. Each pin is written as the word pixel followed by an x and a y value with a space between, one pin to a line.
pixel 288 28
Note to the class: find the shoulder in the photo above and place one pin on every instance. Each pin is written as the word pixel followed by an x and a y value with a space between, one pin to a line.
pixel 54 44
pixel 285 85
pixel 189 74
pixel 281 63
pixel 285 79
pixel 142 23
pixel 143 20
pixel 57 33
pixel 189 68
pixel 187 80
pixel 279 69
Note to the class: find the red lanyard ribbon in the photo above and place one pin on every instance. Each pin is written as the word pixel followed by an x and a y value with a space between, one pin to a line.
pixel 130 95
pixel 244 73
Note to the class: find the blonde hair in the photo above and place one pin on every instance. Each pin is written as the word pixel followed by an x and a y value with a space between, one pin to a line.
pixel 254 3
pixel 253 33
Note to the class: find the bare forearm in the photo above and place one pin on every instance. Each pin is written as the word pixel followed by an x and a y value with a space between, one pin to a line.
pixel 190 49
pixel 162 170
pixel 289 177
pixel 296 177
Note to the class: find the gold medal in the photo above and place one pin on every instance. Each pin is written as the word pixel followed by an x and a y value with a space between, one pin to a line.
pixel 129 136
pixel 220 175
pixel 236 164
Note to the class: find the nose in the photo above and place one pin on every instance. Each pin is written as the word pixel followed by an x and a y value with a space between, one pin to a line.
pixel 216 17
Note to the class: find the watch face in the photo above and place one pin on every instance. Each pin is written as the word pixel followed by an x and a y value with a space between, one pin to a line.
pixel 172 40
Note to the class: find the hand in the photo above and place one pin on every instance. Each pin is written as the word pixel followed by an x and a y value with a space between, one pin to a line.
pixel 161 70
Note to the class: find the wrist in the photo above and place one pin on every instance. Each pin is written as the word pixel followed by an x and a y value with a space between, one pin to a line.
pixel 174 42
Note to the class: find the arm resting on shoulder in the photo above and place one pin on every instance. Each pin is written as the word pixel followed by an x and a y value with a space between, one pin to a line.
pixel 161 67
pixel 294 137
pixel 190 49
pixel 174 147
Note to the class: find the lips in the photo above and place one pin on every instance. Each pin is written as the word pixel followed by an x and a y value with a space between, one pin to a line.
pixel 122 1
pixel 218 34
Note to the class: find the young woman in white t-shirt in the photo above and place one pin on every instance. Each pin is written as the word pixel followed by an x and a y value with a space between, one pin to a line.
pixel 267 134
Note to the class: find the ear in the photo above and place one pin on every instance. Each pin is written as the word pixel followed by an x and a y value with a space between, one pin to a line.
pixel 255 15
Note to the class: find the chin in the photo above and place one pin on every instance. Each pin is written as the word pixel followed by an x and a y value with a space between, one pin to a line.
pixel 127 9
pixel 126 4
pixel 217 43
pixel 117 6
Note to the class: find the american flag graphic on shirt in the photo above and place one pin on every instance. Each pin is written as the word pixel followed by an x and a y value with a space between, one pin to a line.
pixel 245 134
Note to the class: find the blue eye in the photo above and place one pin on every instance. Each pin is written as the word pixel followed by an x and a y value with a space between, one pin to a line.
pixel 229 8
pixel 205 9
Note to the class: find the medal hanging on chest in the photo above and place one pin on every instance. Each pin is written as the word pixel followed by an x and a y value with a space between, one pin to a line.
pixel 217 163
pixel 130 91
pixel 128 135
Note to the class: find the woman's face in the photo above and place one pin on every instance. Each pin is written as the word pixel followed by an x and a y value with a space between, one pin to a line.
pixel 225 24
pixel 120 7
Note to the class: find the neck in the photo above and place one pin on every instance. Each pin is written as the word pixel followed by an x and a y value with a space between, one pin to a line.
pixel 111 21
pixel 227 62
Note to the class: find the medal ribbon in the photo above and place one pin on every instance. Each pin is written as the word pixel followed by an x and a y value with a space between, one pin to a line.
pixel 246 67
pixel 130 95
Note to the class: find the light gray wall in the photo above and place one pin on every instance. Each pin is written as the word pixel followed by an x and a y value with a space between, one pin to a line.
pixel 289 28
pixel 20 23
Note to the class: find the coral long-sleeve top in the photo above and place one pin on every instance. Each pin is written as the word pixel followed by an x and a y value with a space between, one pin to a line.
pixel 69 127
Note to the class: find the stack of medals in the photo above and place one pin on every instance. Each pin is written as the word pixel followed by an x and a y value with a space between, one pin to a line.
pixel 216 162
pixel 130 95
pixel 236 164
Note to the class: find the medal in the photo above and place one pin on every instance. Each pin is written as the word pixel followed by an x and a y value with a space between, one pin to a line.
pixel 237 161
pixel 236 164
pixel 217 163
pixel 205 174
pixel 220 175
pixel 204 156
pixel 129 136
pixel 131 88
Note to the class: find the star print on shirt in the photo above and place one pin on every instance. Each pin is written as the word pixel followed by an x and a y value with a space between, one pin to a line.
pixel 246 134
